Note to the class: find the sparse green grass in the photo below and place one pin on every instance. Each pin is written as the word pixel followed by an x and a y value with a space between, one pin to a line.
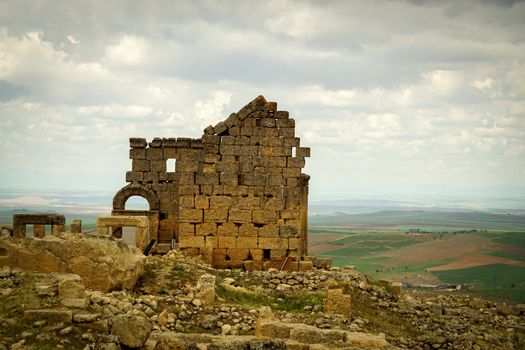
pixel 180 272
pixel 290 302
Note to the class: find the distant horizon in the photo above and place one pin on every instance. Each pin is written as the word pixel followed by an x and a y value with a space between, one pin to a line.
pixel 102 200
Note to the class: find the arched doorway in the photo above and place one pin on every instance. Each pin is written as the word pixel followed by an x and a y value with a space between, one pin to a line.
pixel 137 200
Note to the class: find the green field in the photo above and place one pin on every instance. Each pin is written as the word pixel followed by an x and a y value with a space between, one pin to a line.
pixel 496 280
pixel 377 244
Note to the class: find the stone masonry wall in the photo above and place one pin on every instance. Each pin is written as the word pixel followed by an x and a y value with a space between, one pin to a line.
pixel 237 197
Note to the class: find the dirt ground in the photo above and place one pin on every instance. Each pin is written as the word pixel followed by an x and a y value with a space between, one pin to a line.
pixel 319 243
pixel 475 260
pixel 439 249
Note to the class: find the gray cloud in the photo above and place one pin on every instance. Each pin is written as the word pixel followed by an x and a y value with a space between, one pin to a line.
pixel 391 95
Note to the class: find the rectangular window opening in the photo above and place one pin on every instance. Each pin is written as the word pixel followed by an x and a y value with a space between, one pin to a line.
pixel 171 165
pixel 266 254
pixel 294 151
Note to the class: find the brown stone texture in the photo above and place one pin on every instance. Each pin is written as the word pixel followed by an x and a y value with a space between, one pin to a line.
pixel 103 265
pixel 237 194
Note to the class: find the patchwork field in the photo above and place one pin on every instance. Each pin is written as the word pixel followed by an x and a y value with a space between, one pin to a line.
pixel 489 260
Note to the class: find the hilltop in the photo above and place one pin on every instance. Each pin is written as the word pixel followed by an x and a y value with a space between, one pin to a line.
pixel 182 303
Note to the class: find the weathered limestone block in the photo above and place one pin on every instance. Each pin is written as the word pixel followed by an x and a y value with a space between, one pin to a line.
pixel 207 179
pixel 183 142
pixel 295 162
pixel 264 216
pixel 190 215
pixel 229 179
pixel 55 315
pixel 226 242
pixel 206 288
pixel 303 152
pixel 216 215
pixel 287 231
pixel 227 229
pixel 251 265
pixel 336 302
pixel 248 230
pixel 132 331
pixel 247 242
pixel 240 216
pixel 102 264
pixel 71 290
pixel 206 229
pixel 251 179
pixel 269 230
pixel 139 165
pixel 202 202
pixel 397 288
pixel 137 153
pixel 278 254
pixel 273 243
pixel 294 243
pixel 305 265
pixel 250 202
pixel 237 254
pixel 191 241
pixel 158 165
pixel 220 202
pixel 135 142
pixel 154 153
pixel 257 254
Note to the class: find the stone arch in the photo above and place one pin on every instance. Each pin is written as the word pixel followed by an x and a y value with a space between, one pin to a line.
pixel 119 201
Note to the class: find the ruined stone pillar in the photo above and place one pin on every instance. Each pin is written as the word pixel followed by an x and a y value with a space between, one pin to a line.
pixel 19 229
pixel 141 238
pixel 56 229
pixel 39 231
pixel 76 226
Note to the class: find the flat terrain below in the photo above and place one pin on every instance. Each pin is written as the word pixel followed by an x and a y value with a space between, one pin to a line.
pixel 483 252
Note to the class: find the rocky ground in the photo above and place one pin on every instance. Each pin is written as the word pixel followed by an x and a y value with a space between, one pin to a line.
pixel 180 303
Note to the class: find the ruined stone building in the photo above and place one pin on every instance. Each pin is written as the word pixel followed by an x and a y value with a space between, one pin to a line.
pixel 237 196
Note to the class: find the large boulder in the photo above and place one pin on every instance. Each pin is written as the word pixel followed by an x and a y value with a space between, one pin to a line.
pixel 102 264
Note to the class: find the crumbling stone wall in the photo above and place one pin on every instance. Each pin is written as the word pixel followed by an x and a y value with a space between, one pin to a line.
pixel 237 196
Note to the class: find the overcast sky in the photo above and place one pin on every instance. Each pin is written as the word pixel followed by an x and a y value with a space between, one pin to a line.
pixel 393 97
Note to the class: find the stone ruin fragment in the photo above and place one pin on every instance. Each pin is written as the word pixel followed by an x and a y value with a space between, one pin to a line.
pixel 237 196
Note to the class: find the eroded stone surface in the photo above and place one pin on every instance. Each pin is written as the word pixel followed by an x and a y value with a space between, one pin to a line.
pixel 103 264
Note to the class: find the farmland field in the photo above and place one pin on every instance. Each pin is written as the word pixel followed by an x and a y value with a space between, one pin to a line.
pixel 465 248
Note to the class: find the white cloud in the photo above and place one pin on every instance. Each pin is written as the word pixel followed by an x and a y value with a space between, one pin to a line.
pixel 130 50
pixel 372 86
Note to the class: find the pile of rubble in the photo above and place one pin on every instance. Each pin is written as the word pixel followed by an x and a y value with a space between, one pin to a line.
pixel 181 303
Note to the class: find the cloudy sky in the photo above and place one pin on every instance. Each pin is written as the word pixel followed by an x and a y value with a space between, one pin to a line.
pixel 393 97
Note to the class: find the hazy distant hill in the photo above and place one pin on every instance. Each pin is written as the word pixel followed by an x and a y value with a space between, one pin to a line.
pixel 423 218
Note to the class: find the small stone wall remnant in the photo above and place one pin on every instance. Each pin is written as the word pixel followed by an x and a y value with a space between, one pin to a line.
pixel 39 221
pixel 115 223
